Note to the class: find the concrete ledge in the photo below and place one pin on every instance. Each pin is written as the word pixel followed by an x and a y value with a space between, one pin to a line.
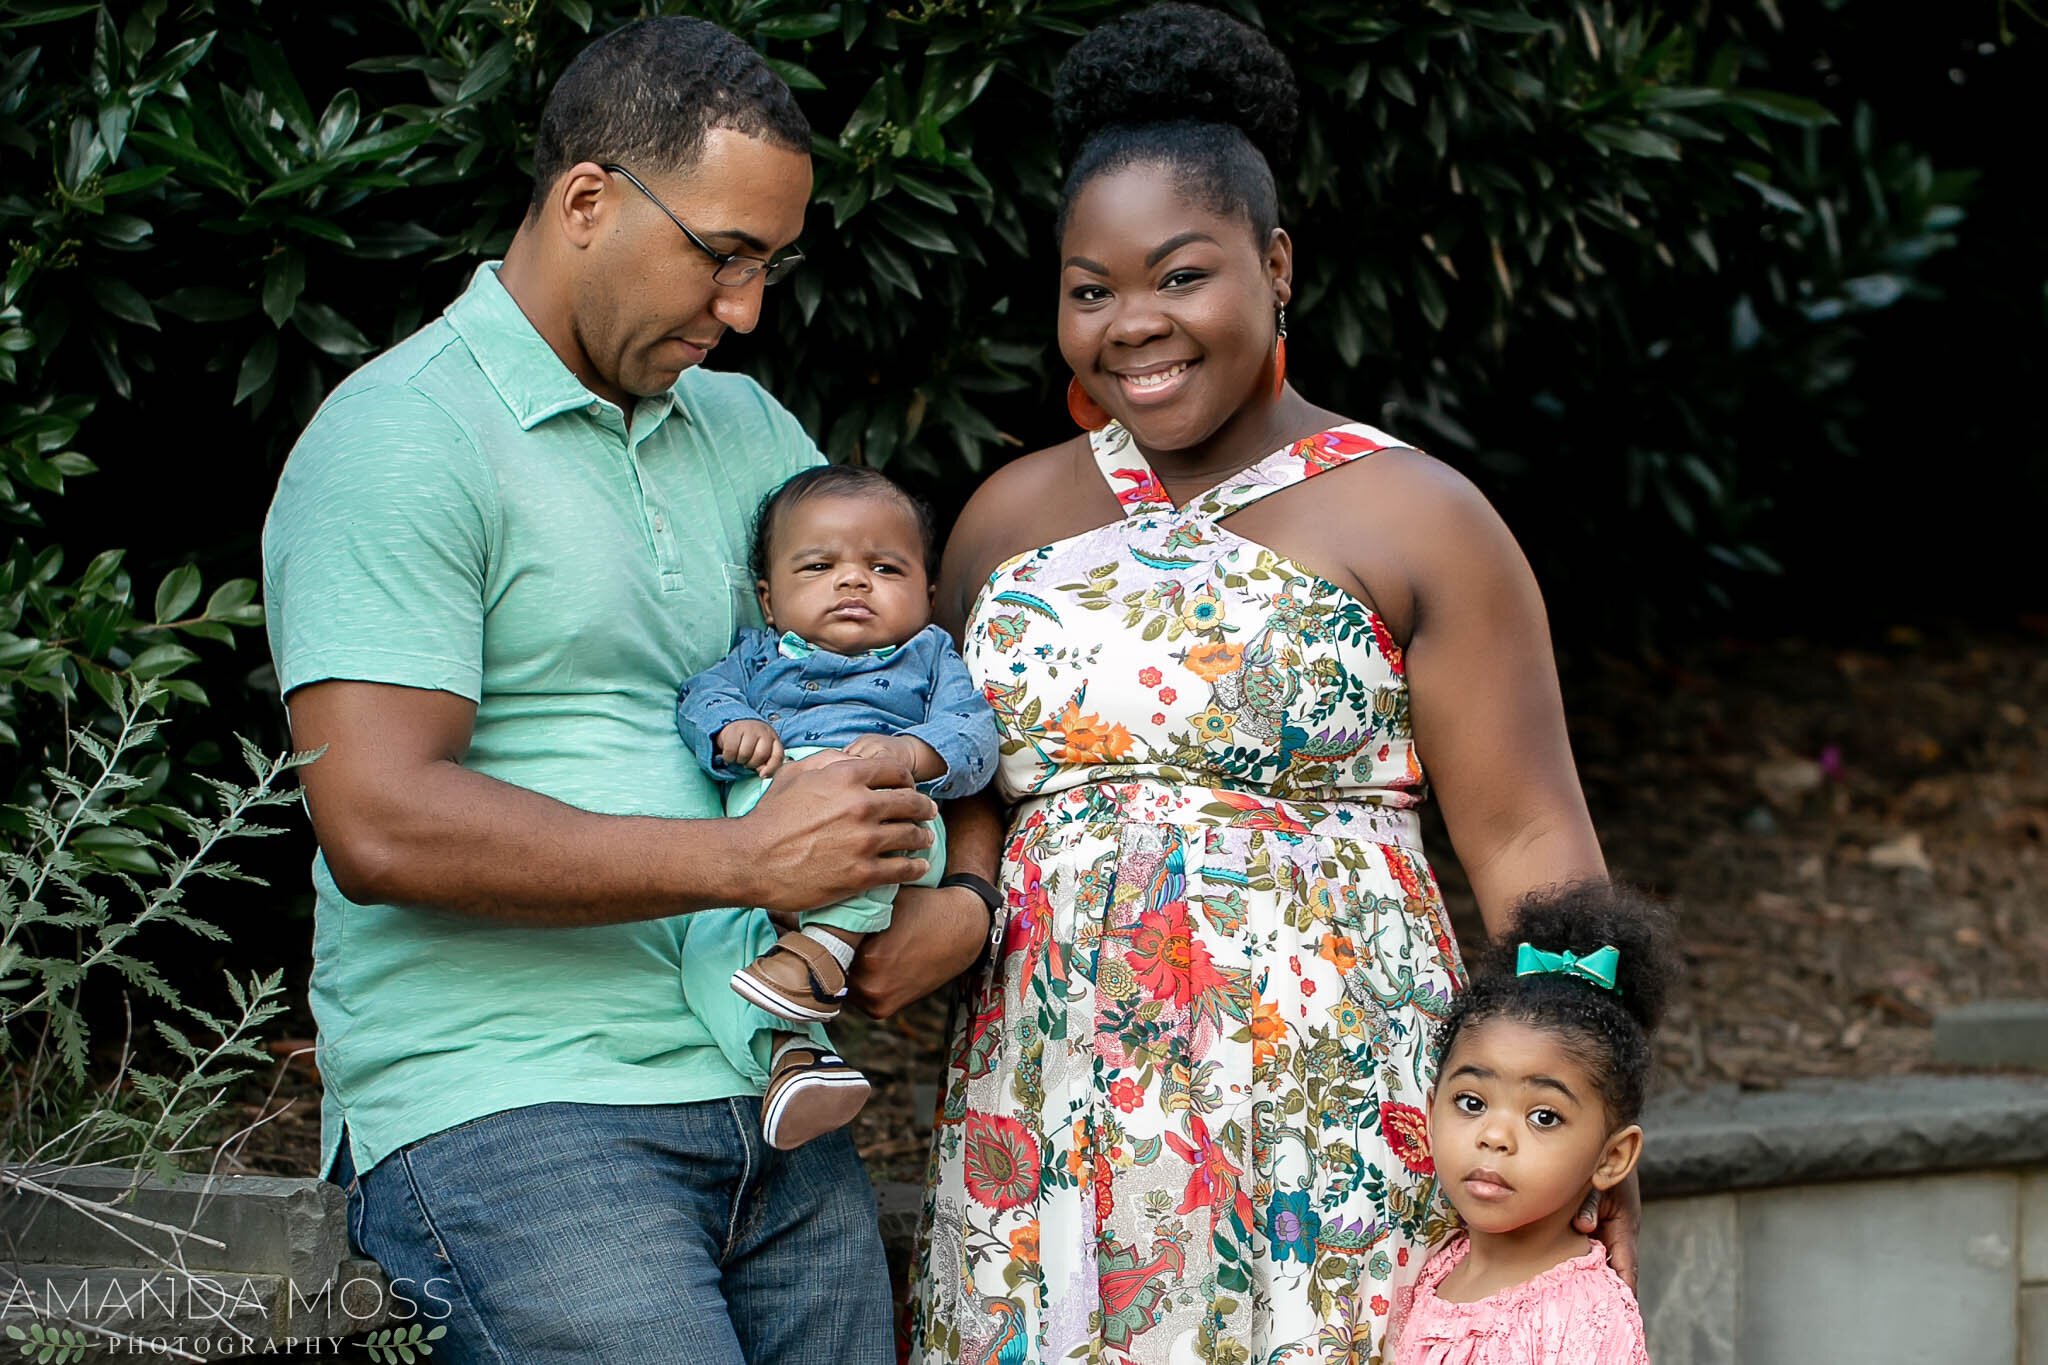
pixel 1993 1033
pixel 1724 1139
pixel 275 1225
pixel 1708 1264
pixel 1729 1139
pixel 281 1271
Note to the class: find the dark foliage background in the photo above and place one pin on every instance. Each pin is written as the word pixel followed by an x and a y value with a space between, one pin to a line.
pixel 1731 306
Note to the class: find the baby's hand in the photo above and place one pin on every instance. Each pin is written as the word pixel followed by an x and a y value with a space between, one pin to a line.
pixel 751 744
pixel 913 753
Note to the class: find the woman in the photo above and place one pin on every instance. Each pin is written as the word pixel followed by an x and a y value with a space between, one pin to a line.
pixel 1225 631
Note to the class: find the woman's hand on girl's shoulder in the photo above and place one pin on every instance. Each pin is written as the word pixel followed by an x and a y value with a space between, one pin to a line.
pixel 1616 1218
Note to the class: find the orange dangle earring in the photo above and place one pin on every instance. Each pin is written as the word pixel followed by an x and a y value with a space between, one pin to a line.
pixel 1280 353
pixel 1088 414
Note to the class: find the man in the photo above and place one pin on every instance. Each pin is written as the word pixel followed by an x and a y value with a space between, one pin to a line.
pixel 493 556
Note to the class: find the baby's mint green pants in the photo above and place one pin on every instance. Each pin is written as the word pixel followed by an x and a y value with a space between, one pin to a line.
pixel 869 911
pixel 742 1030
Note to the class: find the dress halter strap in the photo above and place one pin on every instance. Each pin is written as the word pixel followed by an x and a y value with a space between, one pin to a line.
pixel 1138 490
pixel 1140 493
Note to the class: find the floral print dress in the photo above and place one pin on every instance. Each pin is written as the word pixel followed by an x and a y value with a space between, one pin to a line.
pixel 1183 1113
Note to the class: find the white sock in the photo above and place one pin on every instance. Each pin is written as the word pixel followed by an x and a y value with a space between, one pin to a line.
pixel 841 950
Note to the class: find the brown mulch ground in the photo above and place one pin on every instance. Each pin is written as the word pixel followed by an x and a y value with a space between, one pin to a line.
pixel 1853 838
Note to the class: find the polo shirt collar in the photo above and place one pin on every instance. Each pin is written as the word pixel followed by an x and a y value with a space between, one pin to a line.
pixel 795 646
pixel 521 366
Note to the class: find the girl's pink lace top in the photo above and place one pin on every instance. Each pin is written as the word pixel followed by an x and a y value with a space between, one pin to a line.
pixel 1578 1312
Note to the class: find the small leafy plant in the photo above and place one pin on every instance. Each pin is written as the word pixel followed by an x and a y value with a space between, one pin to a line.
pixel 69 911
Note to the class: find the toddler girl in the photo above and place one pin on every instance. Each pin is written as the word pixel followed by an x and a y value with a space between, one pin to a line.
pixel 1544 1064
pixel 850 666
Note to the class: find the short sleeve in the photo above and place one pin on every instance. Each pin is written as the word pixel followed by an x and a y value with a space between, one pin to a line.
pixel 1594 1321
pixel 377 547
pixel 1618 1338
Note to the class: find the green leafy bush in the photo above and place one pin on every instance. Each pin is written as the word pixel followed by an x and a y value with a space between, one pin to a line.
pixel 1499 206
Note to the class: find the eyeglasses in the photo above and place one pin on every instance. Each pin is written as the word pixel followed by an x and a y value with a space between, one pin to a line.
pixel 733 270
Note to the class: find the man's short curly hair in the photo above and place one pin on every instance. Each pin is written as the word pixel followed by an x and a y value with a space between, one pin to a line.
pixel 644 96
pixel 1183 87
pixel 1607 1032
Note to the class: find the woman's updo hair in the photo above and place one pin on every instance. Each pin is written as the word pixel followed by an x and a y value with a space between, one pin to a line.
pixel 1605 1031
pixel 1183 87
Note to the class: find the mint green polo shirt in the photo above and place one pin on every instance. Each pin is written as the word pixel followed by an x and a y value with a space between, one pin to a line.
pixel 463 515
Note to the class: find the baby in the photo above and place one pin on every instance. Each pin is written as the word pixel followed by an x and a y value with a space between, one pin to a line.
pixel 850 666
pixel 1544 1065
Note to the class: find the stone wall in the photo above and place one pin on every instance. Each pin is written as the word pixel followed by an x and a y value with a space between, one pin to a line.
pixel 1901 1220
pixel 1950 1268
pixel 221 1268
pixel 1898 1220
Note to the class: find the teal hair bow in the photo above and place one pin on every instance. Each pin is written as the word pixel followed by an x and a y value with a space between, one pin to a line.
pixel 1597 966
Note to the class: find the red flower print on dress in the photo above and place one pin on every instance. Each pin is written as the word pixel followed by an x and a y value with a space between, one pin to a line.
pixel 1403 870
pixel 1030 926
pixel 1213 1183
pixel 1001 1158
pixel 1167 696
pixel 1148 677
pixel 1380 1305
pixel 1384 638
pixel 1315 451
pixel 1144 487
pixel 1407 1132
pixel 1170 961
pixel 1125 1094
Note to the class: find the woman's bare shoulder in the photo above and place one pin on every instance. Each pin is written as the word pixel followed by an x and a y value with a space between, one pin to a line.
pixel 1407 495
pixel 1055 472
pixel 1035 499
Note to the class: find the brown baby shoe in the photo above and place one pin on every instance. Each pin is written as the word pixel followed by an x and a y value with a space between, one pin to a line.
pixel 811 1091
pixel 797 979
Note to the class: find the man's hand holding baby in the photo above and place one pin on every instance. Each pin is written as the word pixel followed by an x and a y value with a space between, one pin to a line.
pixel 751 744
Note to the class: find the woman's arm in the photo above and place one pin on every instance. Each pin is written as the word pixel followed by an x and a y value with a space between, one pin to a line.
pixel 1488 717
pixel 1489 727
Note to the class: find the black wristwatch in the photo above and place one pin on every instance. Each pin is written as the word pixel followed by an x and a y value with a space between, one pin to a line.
pixel 990 897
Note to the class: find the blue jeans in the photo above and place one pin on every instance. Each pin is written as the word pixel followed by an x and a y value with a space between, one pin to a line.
pixel 641 1234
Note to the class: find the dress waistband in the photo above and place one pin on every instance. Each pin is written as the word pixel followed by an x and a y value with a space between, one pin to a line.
pixel 1154 802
